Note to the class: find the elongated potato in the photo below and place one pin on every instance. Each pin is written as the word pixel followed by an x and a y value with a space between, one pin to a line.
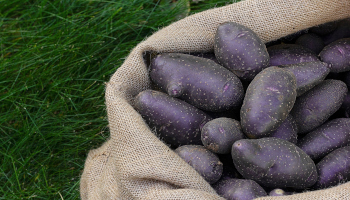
pixel 308 74
pixel 273 162
pixel 334 168
pixel 199 81
pixel 314 107
pixel 326 138
pixel 205 162
pixel 267 102
pixel 175 121
pixel 286 54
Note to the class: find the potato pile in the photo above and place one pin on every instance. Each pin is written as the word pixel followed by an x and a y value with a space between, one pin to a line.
pixel 257 119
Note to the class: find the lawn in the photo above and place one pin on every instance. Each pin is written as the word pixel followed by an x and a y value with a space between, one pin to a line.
pixel 55 59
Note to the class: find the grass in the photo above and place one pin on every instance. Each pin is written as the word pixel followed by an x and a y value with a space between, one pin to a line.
pixel 55 57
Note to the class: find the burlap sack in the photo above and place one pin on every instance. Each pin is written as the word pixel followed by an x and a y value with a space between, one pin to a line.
pixel 134 163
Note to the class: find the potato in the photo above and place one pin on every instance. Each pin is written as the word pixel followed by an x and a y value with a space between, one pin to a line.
pixel 239 189
pixel 240 50
pixel 311 41
pixel 342 31
pixel 337 55
pixel 199 81
pixel 334 168
pixel 267 102
pixel 308 74
pixel 273 162
pixel 326 138
pixel 219 134
pixel 175 121
pixel 314 107
pixel 205 162
pixel 286 54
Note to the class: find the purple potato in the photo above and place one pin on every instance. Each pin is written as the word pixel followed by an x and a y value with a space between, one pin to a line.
pixel 198 81
pixel 324 29
pixel 267 102
pixel 311 41
pixel 342 31
pixel 239 189
pixel 286 54
pixel 240 50
pixel 326 138
pixel 288 130
pixel 273 162
pixel 334 168
pixel 307 74
pixel 219 134
pixel 315 106
pixel 337 55
pixel 205 162
pixel 279 192
pixel 175 121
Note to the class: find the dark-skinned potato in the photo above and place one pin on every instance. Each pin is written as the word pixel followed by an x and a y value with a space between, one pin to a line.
pixel 286 54
pixel 239 189
pixel 175 121
pixel 311 41
pixel 273 162
pixel 337 55
pixel 267 102
pixel 219 134
pixel 308 74
pixel 199 81
pixel 334 168
pixel 326 138
pixel 240 50
pixel 315 106
pixel 205 162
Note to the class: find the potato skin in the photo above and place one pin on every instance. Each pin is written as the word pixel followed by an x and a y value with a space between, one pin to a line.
pixel 326 138
pixel 288 130
pixel 315 106
pixel 337 55
pixel 308 74
pixel 286 54
pixel 334 168
pixel 273 162
pixel 311 41
pixel 219 134
pixel 267 102
pixel 205 162
pixel 239 189
pixel 240 50
pixel 198 81
pixel 342 31
pixel 175 121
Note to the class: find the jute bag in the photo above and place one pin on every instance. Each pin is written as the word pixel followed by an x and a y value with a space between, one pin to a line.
pixel 134 163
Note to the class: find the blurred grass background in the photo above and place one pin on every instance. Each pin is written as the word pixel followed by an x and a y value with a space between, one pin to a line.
pixel 55 57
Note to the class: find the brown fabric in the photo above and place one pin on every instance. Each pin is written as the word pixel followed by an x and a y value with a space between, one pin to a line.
pixel 134 163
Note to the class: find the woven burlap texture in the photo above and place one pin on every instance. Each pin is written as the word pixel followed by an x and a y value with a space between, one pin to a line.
pixel 134 163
